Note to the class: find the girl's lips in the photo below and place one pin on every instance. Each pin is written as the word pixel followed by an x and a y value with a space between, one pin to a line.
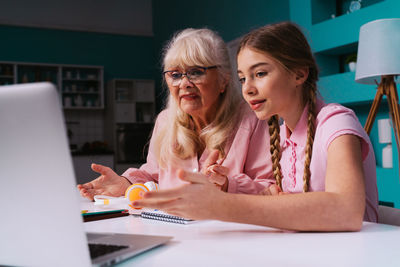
pixel 255 104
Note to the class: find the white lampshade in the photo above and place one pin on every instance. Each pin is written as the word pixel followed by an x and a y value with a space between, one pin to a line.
pixel 378 50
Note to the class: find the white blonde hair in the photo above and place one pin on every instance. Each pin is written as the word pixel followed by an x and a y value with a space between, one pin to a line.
pixel 178 139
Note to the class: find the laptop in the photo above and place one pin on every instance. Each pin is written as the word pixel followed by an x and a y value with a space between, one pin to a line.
pixel 41 222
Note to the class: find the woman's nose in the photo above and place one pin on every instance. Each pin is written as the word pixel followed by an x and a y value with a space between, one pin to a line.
pixel 185 82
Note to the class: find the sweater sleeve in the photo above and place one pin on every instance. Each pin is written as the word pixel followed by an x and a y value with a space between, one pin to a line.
pixel 251 168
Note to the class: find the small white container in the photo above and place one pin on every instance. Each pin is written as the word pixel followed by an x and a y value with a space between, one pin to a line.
pixel 67 102
pixel 352 66
pixel 78 101
pixel 387 156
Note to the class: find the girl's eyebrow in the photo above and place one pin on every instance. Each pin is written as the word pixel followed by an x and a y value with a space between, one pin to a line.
pixel 256 65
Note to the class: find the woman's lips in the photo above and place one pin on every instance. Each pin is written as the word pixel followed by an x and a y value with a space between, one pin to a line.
pixel 255 104
pixel 189 96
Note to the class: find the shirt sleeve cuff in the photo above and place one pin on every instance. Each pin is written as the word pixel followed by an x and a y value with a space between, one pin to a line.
pixel 232 187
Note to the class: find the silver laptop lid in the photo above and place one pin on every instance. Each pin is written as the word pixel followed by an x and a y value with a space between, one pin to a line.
pixel 40 223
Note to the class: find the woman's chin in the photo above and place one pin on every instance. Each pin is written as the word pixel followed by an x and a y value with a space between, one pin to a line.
pixel 190 110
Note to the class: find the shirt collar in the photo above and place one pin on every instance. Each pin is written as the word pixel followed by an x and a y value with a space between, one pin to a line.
pixel 299 134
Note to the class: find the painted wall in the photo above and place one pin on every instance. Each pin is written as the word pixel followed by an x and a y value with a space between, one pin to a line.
pixel 130 17
pixel 122 56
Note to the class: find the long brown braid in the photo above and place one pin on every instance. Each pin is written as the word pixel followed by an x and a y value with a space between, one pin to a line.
pixel 286 43
pixel 310 140
pixel 275 140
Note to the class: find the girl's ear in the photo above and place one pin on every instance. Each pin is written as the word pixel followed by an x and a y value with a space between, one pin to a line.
pixel 301 75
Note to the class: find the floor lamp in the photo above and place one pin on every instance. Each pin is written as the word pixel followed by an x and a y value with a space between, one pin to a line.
pixel 378 62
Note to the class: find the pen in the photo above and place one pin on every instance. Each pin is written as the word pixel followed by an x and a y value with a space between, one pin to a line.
pixel 88 217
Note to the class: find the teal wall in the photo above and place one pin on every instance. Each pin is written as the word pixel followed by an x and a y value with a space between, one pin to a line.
pixel 333 39
pixel 231 18
pixel 122 56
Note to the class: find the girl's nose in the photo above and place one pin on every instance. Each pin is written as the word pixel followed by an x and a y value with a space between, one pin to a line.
pixel 248 88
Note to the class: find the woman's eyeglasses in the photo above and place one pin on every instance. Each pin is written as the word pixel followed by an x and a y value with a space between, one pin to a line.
pixel 194 75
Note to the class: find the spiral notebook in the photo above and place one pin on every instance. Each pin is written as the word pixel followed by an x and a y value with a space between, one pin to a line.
pixel 162 216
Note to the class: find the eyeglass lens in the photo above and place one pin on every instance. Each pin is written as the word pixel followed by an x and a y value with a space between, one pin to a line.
pixel 195 75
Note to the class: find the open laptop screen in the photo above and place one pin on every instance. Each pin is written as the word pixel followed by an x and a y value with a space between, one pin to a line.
pixel 41 223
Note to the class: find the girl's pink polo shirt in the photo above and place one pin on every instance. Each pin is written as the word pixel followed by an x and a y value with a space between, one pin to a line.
pixel 333 120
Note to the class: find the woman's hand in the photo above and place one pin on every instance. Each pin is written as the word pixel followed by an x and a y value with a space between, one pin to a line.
pixel 108 183
pixel 197 200
pixel 215 172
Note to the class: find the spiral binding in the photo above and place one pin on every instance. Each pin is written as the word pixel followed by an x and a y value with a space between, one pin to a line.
pixel 161 216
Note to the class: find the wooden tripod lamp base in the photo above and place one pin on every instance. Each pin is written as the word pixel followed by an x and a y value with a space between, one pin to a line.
pixel 386 87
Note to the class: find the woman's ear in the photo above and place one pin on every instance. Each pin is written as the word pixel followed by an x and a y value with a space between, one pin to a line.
pixel 225 82
pixel 301 75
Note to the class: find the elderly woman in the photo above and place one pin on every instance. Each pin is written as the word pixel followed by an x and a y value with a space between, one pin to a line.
pixel 206 126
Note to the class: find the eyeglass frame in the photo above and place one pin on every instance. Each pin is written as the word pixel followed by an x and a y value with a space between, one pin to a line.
pixel 185 73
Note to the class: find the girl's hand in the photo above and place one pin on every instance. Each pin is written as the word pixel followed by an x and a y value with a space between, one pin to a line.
pixel 215 172
pixel 108 183
pixel 197 200
pixel 273 190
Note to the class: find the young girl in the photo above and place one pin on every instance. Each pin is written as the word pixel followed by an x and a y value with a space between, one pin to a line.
pixel 323 161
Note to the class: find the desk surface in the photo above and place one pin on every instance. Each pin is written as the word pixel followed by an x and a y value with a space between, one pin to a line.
pixel 215 243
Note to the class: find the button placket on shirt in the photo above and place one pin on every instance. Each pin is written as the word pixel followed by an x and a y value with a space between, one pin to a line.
pixel 293 159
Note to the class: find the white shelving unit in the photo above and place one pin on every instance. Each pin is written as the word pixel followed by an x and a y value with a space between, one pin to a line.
pixel 130 117
pixel 131 100
pixel 80 87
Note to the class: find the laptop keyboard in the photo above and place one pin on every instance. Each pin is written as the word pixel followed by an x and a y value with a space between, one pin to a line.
pixel 97 250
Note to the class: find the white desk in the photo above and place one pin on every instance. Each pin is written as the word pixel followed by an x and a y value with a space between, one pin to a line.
pixel 214 243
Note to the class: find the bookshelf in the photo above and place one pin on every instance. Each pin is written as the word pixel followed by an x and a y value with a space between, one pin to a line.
pixel 79 86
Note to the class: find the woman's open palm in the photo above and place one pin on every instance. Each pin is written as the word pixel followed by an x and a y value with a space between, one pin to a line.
pixel 108 183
